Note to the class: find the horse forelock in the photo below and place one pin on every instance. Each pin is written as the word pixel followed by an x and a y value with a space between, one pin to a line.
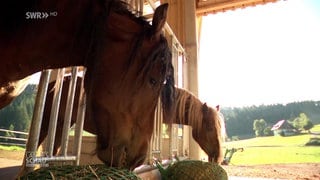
pixel 217 130
pixel 169 90
pixel 216 124
pixel 161 56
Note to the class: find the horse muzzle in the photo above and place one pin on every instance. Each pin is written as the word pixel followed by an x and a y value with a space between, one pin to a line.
pixel 120 157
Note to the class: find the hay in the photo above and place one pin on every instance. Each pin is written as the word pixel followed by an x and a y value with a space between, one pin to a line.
pixel 81 172
pixel 195 170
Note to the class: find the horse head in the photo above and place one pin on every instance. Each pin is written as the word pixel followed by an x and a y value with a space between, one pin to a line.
pixel 136 58
pixel 208 135
pixel 205 122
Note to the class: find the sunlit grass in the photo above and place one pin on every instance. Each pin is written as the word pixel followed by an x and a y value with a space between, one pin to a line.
pixel 274 149
pixel 316 128
pixel 11 148
pixel 272 155
pixel 270 141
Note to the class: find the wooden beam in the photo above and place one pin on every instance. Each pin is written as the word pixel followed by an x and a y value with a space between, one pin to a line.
pixel 210 7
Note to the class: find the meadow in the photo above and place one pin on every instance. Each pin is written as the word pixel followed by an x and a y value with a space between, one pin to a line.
pixel 274 150
pixel 11 148
pixel 260 150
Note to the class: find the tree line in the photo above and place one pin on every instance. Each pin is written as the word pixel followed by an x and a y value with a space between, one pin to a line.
pixel 240 121
pixel 300 123
pixel 18 114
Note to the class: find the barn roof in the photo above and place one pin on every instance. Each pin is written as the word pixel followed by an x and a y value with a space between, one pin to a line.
pixel 282 124
pixel 205 7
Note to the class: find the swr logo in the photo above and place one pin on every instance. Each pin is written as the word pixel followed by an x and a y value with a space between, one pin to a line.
pixel 37 15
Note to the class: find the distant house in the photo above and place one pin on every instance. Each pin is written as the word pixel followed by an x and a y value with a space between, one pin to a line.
pixel 283 128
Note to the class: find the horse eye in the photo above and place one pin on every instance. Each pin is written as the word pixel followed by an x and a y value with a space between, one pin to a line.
pixel 152 81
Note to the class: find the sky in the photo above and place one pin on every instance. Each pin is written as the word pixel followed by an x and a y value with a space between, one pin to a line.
pixel 267 54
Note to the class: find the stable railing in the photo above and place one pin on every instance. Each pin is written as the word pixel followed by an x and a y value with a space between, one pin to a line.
pixel 13 140
pixel 32 158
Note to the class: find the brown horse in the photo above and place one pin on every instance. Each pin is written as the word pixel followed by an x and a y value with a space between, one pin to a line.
pixel 190 110
pixel 204 120
pixel 128 65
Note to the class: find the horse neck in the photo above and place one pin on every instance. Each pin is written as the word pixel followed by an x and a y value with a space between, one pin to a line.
pixel 55 42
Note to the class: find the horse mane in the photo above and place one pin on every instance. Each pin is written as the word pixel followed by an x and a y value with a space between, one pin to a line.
pixel 191 111
pixel 188 109
pixel 168 93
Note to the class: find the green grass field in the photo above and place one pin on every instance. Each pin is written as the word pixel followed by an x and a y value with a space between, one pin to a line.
pixel 275 149
pixel 316 128
pixel 11 148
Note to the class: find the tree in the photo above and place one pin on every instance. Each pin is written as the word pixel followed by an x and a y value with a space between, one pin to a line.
pixel 308 126
pixel 302 122
pixel 19 112
pixel 259 126
pixel 267 131
pixel 239 120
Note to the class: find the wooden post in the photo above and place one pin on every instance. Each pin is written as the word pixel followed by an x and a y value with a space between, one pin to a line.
pixel 191 47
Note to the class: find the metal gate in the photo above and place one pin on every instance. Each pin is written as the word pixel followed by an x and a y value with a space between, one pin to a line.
pixel 32 158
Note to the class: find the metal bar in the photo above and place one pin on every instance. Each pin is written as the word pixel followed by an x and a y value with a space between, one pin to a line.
pixel 160 125
pixel 156 143
pixel 170 140
pixel 55 112
pixel 34 131
pixel 136 6
pixel 156 151
pixel 13 144
pixel 150 168
pixel 80 122
pixel 155 132
pixel 16 132
pixel 13 138
pixel 156 129
pixel 68 113
pixel 154 147
pixel 54 158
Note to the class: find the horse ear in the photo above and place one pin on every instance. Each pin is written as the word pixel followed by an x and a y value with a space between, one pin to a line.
pixel 205 107
pixel 159 18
